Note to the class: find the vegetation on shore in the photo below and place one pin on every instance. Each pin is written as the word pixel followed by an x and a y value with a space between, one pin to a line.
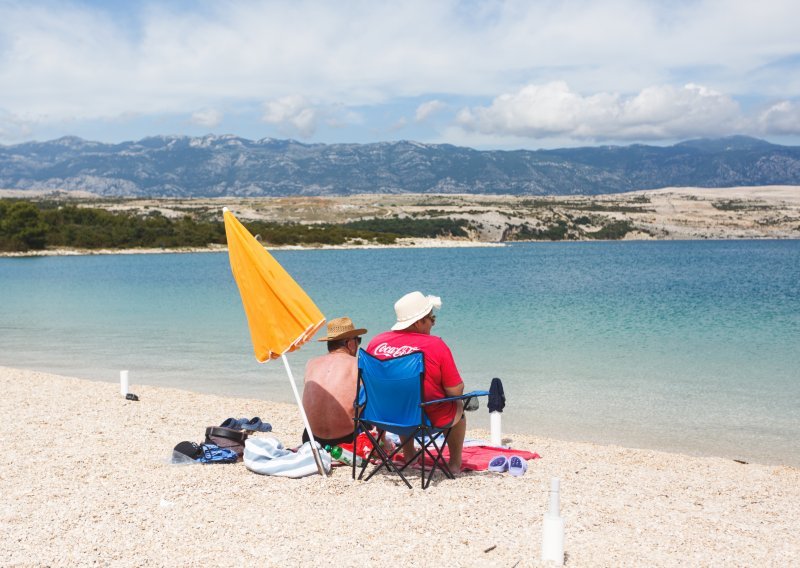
pixel 27 225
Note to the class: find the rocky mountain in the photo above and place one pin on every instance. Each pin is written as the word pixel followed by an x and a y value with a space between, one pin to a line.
pixel 208 166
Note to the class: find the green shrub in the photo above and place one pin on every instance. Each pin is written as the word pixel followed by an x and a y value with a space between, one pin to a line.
pixel 615 230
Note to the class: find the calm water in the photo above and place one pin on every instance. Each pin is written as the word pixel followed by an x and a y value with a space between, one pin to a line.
pixel 687 346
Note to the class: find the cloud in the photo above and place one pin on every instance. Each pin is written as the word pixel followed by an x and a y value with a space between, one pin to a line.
pixel 207 117
pixel 428 109
pixel 780 118
pixel 399 124
pixel 554 110
pixel 92 61
pixel 292 114
pixel 14 128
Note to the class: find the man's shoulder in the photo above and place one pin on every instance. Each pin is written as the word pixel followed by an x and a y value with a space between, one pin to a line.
pixel 330 363
pixel 330 359
pixel 397 338
pixel 316 360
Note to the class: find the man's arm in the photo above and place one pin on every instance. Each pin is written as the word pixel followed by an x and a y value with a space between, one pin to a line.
pixel 457 390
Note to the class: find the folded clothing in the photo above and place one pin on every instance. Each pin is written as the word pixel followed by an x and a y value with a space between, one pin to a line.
pixel 215 454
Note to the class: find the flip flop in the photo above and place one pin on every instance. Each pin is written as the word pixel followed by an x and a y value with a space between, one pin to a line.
pixel 233 423
pixel 498 464
pixel 517 466
pixel 256 425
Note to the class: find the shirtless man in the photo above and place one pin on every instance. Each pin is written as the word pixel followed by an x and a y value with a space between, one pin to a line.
pixel 330 385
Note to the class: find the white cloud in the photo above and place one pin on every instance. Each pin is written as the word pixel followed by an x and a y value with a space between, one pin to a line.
pixel 780 118
pixel 554 110
pixel 13 128
pixel 208 117
pixel 292 114
pixel 399 124
pixel 79 61
pixel 428 109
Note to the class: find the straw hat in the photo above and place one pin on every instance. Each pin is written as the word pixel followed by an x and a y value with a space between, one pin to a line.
pixel 413 307
pixel 342 328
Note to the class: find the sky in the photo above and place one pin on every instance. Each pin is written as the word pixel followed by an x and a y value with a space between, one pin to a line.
pixel 485 74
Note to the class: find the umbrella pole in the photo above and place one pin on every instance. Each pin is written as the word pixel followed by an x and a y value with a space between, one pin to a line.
pixel 314 448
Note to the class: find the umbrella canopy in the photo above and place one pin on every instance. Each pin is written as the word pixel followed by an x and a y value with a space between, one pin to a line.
pixel 280 314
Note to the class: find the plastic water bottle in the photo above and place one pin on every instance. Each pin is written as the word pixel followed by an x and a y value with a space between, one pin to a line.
pixel 553 527
pixel 342 455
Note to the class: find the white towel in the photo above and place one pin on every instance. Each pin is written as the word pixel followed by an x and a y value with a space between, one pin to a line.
pixel 268 456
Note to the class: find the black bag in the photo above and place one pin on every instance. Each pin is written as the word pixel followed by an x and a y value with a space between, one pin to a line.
pixel 226 438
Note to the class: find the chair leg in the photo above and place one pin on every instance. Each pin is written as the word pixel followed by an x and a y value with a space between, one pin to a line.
pixel 386 460
pixel 422 477
pixel 437 459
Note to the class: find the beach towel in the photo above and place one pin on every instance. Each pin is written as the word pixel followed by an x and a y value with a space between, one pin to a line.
pixel 477 458
pixel 268 456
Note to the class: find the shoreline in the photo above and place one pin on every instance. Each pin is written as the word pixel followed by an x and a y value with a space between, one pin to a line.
pixel 412 243
pixel 429 243
pixel 88 481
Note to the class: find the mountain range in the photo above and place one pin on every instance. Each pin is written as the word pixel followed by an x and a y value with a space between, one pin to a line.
pixel 210 166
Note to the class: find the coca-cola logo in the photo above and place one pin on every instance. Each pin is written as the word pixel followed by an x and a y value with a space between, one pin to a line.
pixel 388 351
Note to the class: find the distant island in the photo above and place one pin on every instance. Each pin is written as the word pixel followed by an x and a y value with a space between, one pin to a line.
pixel 35 222
pixel 229 166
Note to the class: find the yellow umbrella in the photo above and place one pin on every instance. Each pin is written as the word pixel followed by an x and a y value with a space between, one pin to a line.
pixel 280 314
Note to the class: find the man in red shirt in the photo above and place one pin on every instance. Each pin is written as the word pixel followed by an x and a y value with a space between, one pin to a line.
pixel 412 332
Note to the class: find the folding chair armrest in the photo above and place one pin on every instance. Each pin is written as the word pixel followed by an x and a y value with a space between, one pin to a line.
pixel 459 397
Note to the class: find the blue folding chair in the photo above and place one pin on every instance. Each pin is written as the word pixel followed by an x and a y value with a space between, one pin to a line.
pixel 390 399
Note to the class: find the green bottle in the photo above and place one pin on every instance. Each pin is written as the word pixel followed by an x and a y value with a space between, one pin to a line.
pixel 345 456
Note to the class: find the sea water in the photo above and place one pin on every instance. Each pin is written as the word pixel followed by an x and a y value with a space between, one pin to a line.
pixel 690 346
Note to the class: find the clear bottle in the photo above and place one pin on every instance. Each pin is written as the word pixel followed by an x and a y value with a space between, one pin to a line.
pixel 345 456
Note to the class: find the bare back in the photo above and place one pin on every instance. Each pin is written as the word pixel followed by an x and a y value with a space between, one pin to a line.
pixel 330 387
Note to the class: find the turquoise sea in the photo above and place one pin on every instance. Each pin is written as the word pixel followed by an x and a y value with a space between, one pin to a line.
pixel 690 346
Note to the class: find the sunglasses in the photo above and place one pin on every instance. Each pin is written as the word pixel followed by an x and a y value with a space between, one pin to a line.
pixel 432 317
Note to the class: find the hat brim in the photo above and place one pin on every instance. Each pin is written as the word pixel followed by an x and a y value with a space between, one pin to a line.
pixel 346 335
pixel 401 325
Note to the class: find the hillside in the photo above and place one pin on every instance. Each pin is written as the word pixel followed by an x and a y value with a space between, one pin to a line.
pixel 213 166
pixel 431 220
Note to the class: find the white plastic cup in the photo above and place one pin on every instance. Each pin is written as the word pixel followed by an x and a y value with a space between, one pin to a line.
pixel 495 419
pixel 123 383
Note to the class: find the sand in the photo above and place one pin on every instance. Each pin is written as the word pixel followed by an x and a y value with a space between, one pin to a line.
pixel 86 480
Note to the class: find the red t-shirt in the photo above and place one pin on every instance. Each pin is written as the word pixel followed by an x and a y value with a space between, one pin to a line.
pixel 440 368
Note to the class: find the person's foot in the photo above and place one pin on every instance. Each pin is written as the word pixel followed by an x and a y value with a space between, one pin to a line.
pixel 454 468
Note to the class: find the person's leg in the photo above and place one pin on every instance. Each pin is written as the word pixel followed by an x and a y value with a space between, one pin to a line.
pixel 408 448
pixel 455 442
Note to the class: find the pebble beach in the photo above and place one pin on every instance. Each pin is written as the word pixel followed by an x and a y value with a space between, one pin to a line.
pixel 87 480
